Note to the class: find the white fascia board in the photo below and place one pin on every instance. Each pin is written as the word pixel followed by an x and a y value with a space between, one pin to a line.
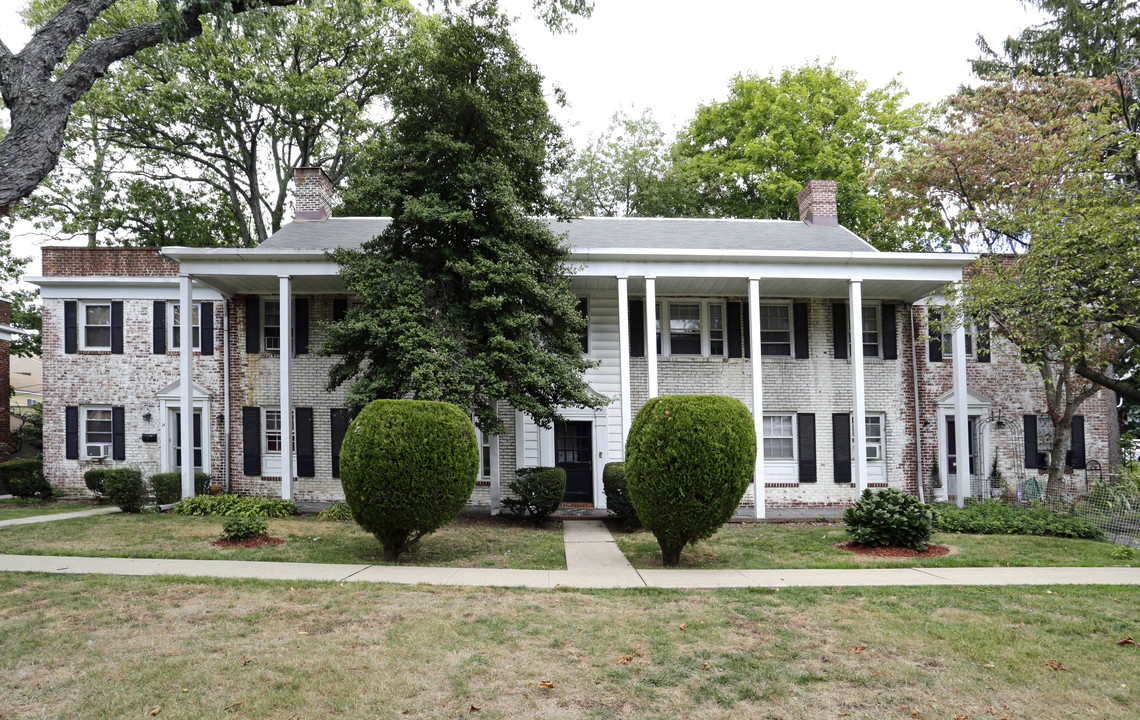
pixel 101 288
pixel 762 269
pixel 319 266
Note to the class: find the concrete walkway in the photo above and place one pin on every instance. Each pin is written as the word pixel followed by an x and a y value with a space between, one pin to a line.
pixel 592 561
pixel 57 516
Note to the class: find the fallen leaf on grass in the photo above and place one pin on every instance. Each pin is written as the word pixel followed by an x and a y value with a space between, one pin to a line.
pixel 546 684
pixel 682 626
pixel 1056 665
pixel 626 659
pixel 856 649
pixel 706 666
pixel 359 667
pixel 1127 641
pixel 1018 626
pixel 227 707
pixel 154 712
pixel 961 717
pixel 989 664
pixel 473 709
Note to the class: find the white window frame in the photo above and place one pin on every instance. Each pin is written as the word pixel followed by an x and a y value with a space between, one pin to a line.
pixel 486 455
pixel 174 337
pixel 878 445
pixel 265 303
pixel 85 419
pixel 176 438
pixel 83 326
pixel 791 418
pixel 265 412
pixel 791 331
pixel 971 346
pixel 878 310
pixel 664 316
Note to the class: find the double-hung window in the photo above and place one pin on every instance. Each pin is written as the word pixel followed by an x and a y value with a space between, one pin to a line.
pixel 273 440
pixel 684 328
pixel 874 437
pixel 948 342
pixel 779 437
pixel 175 334
pixel 271 325
pixel 97 432
pixel 693 327
pixel 97 326
pixel 776 330
pixel 485 454
pixel 871 334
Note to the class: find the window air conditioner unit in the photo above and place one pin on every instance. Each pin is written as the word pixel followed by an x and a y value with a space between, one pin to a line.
pixel 98 451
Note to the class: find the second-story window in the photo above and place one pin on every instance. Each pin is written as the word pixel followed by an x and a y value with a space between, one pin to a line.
pixel 97 326
pixel 175 334
pixel 271 325
pixel 684 328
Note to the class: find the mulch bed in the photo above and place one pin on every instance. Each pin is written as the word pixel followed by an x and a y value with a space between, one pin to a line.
pixel 249 542
pixel 891 551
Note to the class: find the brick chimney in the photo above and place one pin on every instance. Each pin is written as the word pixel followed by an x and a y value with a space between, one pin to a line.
pixel 314 191
pixel 817 203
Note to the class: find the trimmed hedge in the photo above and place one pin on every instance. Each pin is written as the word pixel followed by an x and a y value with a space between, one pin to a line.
pixel 167 486
pixel 689 459
pixel 889 517
pixel 125 488
pixel 992 517
pixel 235 506
pixel 25 478
pixel 96 480
pixel 407 468
pixel 617 495
pixel 539 489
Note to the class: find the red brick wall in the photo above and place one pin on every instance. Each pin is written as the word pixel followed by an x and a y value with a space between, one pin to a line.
pixel 106 262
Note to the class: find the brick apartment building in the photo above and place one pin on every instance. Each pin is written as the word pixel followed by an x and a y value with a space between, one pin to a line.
pixel 764 311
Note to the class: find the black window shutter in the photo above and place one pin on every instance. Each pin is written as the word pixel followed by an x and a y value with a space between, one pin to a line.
pixel 890 333
pixel 637 328
pixel 841 446
pixel 251 441
pixel 301 326
pixel 800 328
pixel 196 435
pixel 734 329
pixel 982 340
pixel 206 316
pixel 934 317
pixel 117 327
pixel 1031 458
pixel 158 327
pixel 340 309
pixel 1076 459
pixel 253 328
pixel 338 422
pixel 839 332
pixel 306 463
pixel 746 329
pixel 805 423
pixel 118 433
pixel 71 432
pixel 71 328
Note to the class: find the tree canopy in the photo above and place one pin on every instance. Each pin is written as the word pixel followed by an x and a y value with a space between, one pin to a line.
pixel 465 296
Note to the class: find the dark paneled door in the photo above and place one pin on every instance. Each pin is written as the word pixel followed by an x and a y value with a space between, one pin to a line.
pixel 573 452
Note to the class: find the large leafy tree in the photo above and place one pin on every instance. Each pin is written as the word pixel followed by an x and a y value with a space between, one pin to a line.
pixel 1028 169
pixel 465 296
pixel 749 155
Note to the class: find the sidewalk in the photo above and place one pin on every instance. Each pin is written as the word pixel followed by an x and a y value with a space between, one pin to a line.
pixel 592 561
pixel 57 516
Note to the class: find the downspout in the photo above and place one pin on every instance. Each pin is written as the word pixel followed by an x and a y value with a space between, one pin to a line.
pixel 917 406
pixel 226 385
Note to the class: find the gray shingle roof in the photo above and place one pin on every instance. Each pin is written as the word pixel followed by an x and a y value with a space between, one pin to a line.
pixel 612 233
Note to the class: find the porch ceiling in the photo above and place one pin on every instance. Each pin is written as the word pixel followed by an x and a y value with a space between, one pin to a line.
pixel 269 285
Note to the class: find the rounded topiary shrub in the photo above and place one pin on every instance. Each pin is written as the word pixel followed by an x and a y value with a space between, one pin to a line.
pixel 617 495
pixel 538 492
pixel 689 459
pixel 889 517
pixel 125 488
pixel 407 467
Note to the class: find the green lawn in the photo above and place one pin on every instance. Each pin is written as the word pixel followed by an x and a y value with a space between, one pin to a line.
pixel 119 647
pixel 780 545
pixel 11 508
pixel 476 542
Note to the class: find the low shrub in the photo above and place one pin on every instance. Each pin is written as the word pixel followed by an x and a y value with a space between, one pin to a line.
pixel 539 492
pixel 617 495
pixel 168 486
pixel 95 479
pixel 992 517
pixel 889 517
pixel 25 479
pixel 338 512
pixel 407 468
pixel 243 528
pixel 125 488
pixel 689 460
pixel 235 506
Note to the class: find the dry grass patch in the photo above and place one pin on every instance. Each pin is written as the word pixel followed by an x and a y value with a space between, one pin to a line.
pixel 466 542
pixel 12 508
pixel 120 647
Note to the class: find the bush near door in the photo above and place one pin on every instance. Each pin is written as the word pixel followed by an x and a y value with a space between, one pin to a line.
pixel 167 486
pixel 540 491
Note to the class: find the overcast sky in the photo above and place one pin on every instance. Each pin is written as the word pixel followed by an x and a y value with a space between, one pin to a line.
pixel 672 55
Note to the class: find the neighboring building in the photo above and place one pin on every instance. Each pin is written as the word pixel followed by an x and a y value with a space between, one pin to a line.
pixel 761 310
pixel 27 379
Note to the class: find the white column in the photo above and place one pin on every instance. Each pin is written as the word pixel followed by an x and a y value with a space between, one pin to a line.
pixel 757 394
pixel 961 414
pixel 186 380
pixel 286 343
pixel 546 446
pixel 651 333
pixel 623 357
pixel 858 385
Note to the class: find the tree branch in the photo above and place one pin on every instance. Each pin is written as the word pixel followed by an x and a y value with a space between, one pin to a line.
pixel 1117 386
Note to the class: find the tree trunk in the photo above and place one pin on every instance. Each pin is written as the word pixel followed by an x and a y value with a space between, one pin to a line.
pixel 670 554
pixel 1062 433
